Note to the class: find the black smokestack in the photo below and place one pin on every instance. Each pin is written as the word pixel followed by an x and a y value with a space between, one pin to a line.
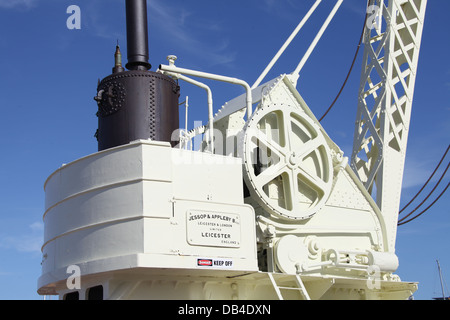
pixel 137 103
pixel 137 35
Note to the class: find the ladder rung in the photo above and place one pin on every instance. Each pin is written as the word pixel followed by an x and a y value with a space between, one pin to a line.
pixel 300 287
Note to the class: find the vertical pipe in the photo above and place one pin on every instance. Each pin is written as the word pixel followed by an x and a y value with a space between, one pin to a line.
pixel 137 35
pixel 210 106
pixel 186 118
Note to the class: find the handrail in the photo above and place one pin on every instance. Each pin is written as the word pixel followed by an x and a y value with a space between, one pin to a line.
pixel 176 70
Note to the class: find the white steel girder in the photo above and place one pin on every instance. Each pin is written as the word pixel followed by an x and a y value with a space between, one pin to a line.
pixel 391 50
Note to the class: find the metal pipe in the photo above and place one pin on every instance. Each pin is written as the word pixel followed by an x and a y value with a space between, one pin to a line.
pixel 211 76
pixel 137 35
pixel 296 72
pixel 210 103
pixel 186 119
pixel 183 134
pixel 440 277
pixel 286 44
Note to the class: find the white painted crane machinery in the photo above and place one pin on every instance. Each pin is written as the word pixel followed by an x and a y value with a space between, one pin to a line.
pixel 269 207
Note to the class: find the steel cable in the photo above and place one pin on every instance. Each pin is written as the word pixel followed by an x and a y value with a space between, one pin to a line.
pixel 418 215
pixel 349 72
pixel 401 221
pixel 426 183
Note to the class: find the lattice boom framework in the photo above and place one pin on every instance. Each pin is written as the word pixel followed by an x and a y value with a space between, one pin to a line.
pixel 391 50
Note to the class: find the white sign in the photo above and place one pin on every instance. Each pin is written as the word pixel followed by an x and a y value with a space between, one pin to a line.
pixel 216 229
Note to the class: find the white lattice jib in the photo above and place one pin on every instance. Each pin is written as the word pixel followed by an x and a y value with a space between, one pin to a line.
pixel 391 51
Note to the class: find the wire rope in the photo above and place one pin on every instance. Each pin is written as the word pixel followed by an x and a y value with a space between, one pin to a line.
pixel 429 194
pixel 349 72
pixel 402 220
pixel 426 183
pixel 419 214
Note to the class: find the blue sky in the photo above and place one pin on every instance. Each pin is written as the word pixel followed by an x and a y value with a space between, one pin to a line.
pixel 48 78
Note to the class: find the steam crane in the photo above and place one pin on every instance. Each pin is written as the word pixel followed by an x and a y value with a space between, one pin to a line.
pixel 277 212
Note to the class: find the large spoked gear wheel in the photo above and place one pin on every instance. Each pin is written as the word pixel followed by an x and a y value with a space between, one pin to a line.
pixel 287 162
